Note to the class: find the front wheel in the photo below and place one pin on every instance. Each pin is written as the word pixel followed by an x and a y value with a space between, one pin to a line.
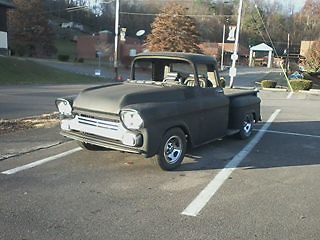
pixel 247 126
pixel 172 149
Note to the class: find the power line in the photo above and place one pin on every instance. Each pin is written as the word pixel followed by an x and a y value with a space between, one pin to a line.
pixel 189 15
pixel 275 50
pixel 254 20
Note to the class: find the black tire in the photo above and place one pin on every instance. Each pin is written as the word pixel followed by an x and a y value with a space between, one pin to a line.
pixel 90 147
pixel 246 128
pixel 172 149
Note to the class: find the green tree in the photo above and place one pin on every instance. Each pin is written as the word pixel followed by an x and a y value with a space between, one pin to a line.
pixel 252 31
pixel 30 31
pixel 174 31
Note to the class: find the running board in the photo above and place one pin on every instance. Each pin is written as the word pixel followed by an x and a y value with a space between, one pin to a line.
pixel 232 132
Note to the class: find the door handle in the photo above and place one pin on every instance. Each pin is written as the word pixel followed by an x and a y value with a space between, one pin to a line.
pixel 220 91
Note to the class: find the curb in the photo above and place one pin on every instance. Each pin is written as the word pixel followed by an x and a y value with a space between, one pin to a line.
pixel 311 91
pixel 274 89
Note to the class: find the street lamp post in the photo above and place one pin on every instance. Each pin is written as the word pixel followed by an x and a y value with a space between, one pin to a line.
pixel 222 50
pixel 116 39
pixel 234 56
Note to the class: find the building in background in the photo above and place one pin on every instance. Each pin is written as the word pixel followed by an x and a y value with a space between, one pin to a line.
pixel 214 49
pixel 88 47
pixel 4 6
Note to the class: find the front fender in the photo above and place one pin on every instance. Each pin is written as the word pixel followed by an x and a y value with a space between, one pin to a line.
pixel 153 134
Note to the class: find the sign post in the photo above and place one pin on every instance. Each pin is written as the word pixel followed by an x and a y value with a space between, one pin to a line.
pixel 234 57
pixel 222 50
pixel 116 40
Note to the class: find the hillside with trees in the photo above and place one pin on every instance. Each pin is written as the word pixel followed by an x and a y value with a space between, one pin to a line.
pixel 261 19
pixel 30 32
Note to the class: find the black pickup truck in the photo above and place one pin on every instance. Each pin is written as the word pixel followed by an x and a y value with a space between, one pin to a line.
pixel 171 102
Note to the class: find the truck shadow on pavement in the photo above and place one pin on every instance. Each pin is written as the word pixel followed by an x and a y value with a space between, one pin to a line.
pixel 285 144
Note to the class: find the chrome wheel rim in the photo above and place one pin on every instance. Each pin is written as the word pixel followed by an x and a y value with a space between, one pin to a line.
pixel 173 149
pixel 247 127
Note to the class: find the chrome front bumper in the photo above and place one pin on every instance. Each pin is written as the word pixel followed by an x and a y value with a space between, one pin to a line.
pixel 84 126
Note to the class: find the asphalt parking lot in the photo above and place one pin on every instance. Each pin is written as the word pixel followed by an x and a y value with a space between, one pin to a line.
pixel 267 187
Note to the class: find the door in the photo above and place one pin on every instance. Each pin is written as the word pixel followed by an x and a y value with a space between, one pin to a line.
pixel 213 113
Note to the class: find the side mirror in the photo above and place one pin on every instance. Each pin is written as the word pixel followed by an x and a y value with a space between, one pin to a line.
pixel 222 82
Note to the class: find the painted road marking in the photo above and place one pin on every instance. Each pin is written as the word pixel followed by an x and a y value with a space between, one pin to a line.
pixel 42 161
pixel 207 193
pixel 289 133
pixel 289 95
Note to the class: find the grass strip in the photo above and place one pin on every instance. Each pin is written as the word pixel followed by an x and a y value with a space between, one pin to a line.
pixel 15 71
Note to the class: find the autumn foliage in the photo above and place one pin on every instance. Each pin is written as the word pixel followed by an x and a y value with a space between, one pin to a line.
pixel 312 62
pixel 173 31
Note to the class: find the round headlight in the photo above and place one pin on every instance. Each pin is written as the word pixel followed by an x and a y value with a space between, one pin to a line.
pixel 131 119
pixel 64 107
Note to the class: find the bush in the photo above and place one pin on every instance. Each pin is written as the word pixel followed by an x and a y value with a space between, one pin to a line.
pixel 307 76
pixel 268 84
pixel 301 84
pixel 63 57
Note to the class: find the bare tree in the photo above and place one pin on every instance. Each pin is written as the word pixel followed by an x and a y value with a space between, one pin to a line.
pixel 312 62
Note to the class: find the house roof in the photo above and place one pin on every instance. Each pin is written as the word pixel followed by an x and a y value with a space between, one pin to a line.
pixel 213 48
pixel 261 47
pixel 229 47
pixel 7 3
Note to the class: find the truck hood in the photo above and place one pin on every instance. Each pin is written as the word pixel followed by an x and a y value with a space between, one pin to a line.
pixel 112 98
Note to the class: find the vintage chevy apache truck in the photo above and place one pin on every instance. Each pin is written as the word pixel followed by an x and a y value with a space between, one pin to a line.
pixel 171 102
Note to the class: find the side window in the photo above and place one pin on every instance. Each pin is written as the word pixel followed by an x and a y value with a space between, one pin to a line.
pixel 207 74
pixel 213 78
pixel 202 70
pixel 212 75
pixel 181 70
pixel 143 70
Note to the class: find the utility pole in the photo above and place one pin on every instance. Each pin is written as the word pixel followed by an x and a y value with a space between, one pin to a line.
pixel 288 46
pixel 222 51
pixel 234 56
pixel 116 39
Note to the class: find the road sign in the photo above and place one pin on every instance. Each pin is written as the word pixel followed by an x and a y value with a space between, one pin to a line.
pixel 234 57
pixel 233 72
pixel 232 31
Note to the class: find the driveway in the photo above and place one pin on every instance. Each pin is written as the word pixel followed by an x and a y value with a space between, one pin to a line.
pixel 31 100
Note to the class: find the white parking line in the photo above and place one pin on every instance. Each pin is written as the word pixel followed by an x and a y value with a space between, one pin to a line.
pixel 289 95
pixel 207 193
pixel 290 133
pixel 39 162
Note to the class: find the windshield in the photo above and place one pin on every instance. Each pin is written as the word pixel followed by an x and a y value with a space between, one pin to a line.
pixel 161 70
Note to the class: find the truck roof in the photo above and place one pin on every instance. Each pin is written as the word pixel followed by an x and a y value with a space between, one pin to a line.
pixel 193 57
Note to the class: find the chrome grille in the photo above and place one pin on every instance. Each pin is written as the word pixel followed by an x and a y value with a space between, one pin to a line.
pixel 86 120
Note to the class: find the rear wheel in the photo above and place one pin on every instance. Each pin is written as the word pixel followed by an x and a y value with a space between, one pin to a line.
pixel 172 149
pixel 90 147
pixel 247 126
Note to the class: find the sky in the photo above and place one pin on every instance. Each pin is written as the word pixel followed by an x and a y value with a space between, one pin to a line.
pixel 298 4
